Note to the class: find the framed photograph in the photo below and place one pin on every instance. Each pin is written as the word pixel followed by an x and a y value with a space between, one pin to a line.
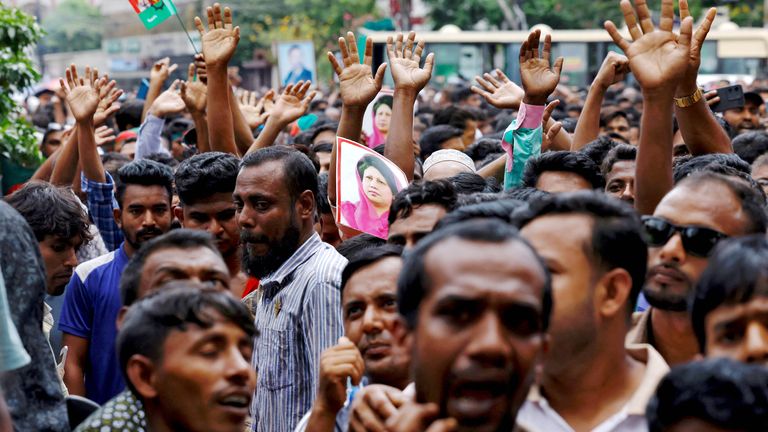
pixel 366 184
pixel 296 62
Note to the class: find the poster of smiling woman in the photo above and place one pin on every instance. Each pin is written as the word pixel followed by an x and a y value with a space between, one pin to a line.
pixel 366 184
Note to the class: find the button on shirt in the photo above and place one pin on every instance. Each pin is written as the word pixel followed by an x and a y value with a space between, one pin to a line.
pixel 537 415
pixel 91 304
pixel 298 317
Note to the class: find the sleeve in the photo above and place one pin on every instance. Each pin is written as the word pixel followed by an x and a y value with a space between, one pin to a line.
pixel 150 137
pixel 101 202
pixel 521 142
pixel 321 324
pixel 77 313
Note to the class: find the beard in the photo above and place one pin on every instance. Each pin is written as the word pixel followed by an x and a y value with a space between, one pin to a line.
pixel 665 300
pixel 142 236
pixel 278 252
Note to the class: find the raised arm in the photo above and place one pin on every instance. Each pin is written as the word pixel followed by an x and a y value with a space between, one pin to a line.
pixel 701 131
pixel 357 88
pixel 614 68
pixel 658 59
pixel 150 138
pixel 82 95
pixel 160 72
pixel 292 104
pixel 219 44
pixel 243 132
pixel 410 79
pixel 195 96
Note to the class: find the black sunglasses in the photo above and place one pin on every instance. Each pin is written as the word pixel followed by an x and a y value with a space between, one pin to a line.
pixel 697 241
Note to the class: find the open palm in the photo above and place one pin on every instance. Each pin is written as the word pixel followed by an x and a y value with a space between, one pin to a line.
pixel 407 73
pixel 657 58
pixel 499 91
pixel 221 38
pixel 537 77
pixel 293 103
pixel 81 94
pixel 357 84
pixel 404 60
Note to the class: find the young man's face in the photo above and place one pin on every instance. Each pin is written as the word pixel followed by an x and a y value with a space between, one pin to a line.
pixel 145 214
pixel 618 125
pixel 52 143
pixel 739 331
pixel 745 118
pixel 478 333
pixel 470 130
pixel 620 181
pixel 216 215
pixel 409 230
pixel 205 381
pixel 369 310
pixel 60 261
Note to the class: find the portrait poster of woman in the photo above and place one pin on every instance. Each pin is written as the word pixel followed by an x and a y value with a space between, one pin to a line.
pixel 366 184
pixel 377 118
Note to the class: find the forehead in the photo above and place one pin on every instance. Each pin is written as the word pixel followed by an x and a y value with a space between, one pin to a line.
pixel 212 203
pixel 559 235
pixel 621 170
pixel 147 194
pixel 484 269
pixel 54 135
pixel 374 279
pixel 710 205
pixel 178 341
pixel 422 219
pixel 561 181
pixel 185 259
pixel 757 305
pixel 264 179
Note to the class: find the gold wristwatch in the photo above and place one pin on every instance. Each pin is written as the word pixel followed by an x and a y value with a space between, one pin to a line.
pixel 685 102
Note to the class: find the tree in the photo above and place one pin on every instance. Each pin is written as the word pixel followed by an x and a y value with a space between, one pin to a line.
pixel 75 25
pixel 18 32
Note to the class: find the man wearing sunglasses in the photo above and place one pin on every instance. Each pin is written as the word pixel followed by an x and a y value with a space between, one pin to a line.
pixel 685 227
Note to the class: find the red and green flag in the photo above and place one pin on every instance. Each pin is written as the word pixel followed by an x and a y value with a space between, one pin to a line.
pixel 153 12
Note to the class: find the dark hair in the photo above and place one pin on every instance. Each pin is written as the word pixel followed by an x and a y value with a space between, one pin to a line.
pixel 484 147
pixel 322 127
pixel 722 392
pixel 466 183
pixel 365 257
pixel 751 145
pixel 358 243
pixel 383 100
pixel 572 162
pixel 163 158
pixel 129 114
pixel 453 116
pixel 617 233
pixel 439 192
pixel 413 282
pixel 697 163
pixel 473 198
pixel 298 174
pixel 735 274
pixel 433 138
pixel 176 239
pixel 51 211
pixel 500 209
pixel 598 149
pixel 149 322
pixel 526 194
pixel 143 172
pixel 323 206
pixel 205 174
pixel 461 94
pixel 608 117
pixel 752 203
pixel 620 153
pixel 366 162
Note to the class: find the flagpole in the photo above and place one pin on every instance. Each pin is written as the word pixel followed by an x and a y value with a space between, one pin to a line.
pixel 185 31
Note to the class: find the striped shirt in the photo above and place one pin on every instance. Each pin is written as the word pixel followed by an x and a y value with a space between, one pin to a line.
pixel 298 317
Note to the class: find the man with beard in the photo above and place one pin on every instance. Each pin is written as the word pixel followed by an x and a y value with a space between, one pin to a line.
pixel 478 321
pixel 685 227
pixel 298 314
pixel 594 249
pixel 92 298
pixel 375 348
pixel 745 118
pixel 205 183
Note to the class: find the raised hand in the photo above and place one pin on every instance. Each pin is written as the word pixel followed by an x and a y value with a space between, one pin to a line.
pixel 194 93
pixel 549 132
pixel 200 69
pixel 499 91
pixel 404 60
pixel 293 103
pixel 358 86
pixel 108 96
pixel 81 94
pixel 169 102
pixel 694 53
pixel 538 78
pixel 658 58
pixel 220 40
pixel 336 364
pixel 614 69
pixel 253 109
pixel 104 135
pixel 162 69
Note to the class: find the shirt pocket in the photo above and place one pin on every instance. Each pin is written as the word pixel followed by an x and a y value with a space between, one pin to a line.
pixel 276 369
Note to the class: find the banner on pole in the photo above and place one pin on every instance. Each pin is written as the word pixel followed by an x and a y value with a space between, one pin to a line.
pixel 153 12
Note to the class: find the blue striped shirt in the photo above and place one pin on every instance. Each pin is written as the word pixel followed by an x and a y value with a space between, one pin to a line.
pixel 298 317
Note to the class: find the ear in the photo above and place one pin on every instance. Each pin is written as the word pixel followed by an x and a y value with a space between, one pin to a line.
pixel 117 213
pixel 141 373
pixel 121 317
pixel 305 206
pixel 612 293
pixel 178 211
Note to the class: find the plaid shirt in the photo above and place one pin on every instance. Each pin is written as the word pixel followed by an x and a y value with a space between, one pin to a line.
pixel 101 203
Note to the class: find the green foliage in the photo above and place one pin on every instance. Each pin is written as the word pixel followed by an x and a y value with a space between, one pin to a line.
pixel 18 32
pixel 75 25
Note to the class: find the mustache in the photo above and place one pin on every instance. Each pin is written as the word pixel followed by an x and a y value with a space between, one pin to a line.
pixel 151 231
pixel 246 237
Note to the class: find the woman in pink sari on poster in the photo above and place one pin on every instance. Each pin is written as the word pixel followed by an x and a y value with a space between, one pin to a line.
pixel 376 186
pixel 382 116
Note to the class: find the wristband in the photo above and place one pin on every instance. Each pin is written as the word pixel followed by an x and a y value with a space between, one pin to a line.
pixel 685 102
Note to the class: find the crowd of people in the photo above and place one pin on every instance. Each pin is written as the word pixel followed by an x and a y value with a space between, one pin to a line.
pixel 562 259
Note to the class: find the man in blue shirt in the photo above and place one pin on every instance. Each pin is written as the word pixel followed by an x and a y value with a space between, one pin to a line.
pixel 92 298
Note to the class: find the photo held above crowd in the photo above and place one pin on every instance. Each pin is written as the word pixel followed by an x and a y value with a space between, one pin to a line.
pixel 390 251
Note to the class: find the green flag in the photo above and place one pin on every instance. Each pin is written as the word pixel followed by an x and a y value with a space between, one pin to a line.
pixel 153 12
